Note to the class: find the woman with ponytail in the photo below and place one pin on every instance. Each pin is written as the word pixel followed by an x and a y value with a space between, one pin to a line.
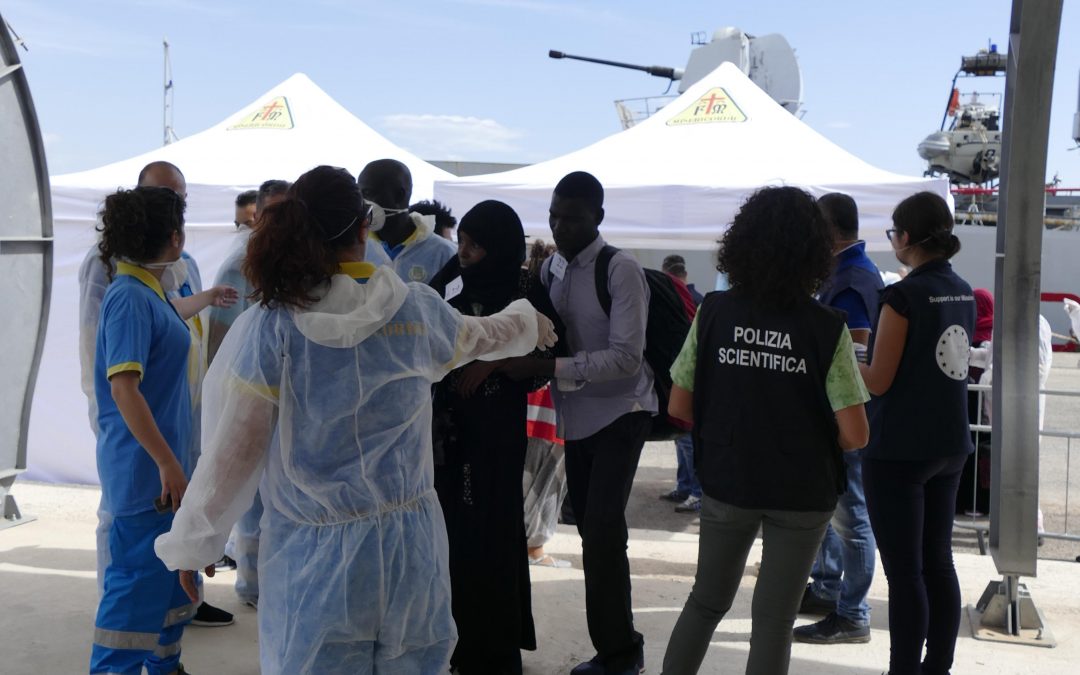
pixel 919 434
pixel 144 426
pixel 323 391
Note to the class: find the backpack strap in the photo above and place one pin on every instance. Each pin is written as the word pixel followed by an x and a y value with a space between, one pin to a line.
pixel 603 264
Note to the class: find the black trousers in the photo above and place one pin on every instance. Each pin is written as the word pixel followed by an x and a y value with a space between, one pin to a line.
pixel 911 506
pixel 599 474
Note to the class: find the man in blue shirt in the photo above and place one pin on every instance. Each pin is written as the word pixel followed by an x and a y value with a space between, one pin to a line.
pixel 844 568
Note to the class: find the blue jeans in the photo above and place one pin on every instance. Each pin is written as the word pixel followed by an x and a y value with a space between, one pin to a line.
pixel 687 482
pixel 844 567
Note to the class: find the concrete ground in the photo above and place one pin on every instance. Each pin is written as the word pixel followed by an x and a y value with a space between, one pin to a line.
pixel 48 597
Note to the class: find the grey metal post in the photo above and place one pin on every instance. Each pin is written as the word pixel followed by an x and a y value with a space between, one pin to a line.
pixel 1033 37
pixel 1014 497
pixel 26 254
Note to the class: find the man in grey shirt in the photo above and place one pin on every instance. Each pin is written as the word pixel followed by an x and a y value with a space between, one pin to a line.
pixel 604 401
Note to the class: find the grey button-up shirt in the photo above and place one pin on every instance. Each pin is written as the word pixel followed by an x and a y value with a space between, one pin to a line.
pixel 607 376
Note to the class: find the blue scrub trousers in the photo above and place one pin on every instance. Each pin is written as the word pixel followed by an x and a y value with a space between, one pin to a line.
pixel 104 556
pixel 143 611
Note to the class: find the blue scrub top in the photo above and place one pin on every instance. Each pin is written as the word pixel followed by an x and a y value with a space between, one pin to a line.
pixel 140 331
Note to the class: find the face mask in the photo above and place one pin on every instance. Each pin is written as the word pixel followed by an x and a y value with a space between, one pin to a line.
pixel 174 276
pixel 379 215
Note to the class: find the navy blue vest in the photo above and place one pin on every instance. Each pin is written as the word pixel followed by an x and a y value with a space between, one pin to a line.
pixel 924 414
pixel 765 435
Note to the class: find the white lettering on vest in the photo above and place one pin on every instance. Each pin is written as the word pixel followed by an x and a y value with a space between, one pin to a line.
pixel 763 338
pixel 753 358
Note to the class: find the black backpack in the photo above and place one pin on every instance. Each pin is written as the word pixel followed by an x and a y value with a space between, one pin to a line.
pixel 665 332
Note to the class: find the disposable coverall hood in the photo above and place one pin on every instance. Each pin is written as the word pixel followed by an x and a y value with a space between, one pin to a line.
pixel 349 313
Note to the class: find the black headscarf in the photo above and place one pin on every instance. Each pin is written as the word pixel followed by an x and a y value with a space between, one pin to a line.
pixel 495 281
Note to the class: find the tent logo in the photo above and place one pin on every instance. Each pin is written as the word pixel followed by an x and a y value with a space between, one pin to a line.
pixel 715 106
pixel 273 115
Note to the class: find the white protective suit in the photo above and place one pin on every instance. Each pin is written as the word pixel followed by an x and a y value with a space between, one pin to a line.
pixel 335 402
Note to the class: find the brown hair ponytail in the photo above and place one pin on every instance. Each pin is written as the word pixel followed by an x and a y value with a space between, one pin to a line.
pixel 296 248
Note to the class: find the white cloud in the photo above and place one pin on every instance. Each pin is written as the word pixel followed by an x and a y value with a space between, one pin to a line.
pixel 50 139
pixel 452 137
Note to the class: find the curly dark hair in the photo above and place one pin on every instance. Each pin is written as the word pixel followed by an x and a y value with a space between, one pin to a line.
pixel 778 249
pixel 295 250
pixel 137 224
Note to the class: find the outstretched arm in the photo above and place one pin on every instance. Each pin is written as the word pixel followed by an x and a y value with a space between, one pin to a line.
pixel 218 296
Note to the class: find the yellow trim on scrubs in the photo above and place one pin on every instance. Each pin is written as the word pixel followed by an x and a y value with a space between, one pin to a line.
pixel 125 367
pixel 142 275
pixel 357 270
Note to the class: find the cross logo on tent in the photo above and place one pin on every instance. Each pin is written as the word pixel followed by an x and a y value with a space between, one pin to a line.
pixel 273 115
pixel 715 106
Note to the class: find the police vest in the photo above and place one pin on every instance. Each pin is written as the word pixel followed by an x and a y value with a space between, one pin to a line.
pixel 924 413
pixel 859 278
pixel 766 435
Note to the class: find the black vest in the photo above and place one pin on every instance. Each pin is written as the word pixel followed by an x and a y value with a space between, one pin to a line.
pixel 765 433
pixel 924 414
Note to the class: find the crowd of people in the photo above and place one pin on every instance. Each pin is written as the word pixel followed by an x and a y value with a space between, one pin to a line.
pixel 379 427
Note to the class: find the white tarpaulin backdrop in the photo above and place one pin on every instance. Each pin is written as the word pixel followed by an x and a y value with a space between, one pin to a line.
pixel 676 180
pixel 290 129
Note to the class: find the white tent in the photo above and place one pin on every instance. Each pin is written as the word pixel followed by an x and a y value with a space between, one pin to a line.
pixel 676 180
pixel 290 129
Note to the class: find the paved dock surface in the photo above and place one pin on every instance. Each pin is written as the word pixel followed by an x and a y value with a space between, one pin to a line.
pixel 48 590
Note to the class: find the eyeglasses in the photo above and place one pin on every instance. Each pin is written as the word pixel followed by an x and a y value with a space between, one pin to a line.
pixel 890 232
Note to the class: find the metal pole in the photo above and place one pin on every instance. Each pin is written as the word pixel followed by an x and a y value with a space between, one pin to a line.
pixel 1014 496
pixel 165 93
pixel 1033 38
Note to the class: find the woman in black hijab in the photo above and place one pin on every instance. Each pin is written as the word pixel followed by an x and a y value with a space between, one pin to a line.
pixel 480 443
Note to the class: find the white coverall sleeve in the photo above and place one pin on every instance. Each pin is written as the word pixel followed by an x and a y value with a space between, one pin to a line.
pixel 93 282
pixel 515 331
pixel 240 415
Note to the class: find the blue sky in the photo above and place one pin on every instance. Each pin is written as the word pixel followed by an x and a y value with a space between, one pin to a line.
pixel 470 79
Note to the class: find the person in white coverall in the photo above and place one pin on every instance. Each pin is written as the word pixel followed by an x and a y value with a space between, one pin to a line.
pixel 326 385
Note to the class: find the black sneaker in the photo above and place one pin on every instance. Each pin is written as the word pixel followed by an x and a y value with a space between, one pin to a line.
pixel 209 616
pixel 833 630
pixel 226 563
pixel 815 605
pixel 675 496
pixel 595 666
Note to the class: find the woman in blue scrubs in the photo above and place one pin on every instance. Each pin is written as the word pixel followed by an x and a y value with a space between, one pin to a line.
pixel 141 382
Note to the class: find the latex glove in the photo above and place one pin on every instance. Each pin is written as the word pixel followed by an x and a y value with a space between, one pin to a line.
pixel 224 296
pixel 545 332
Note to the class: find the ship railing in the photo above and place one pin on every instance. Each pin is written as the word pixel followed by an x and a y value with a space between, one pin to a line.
pixel 1056 503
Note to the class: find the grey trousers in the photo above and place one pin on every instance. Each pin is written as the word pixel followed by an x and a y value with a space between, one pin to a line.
pixel 790 541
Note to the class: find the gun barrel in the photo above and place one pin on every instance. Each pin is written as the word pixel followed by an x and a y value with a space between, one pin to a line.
pixel 656 71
